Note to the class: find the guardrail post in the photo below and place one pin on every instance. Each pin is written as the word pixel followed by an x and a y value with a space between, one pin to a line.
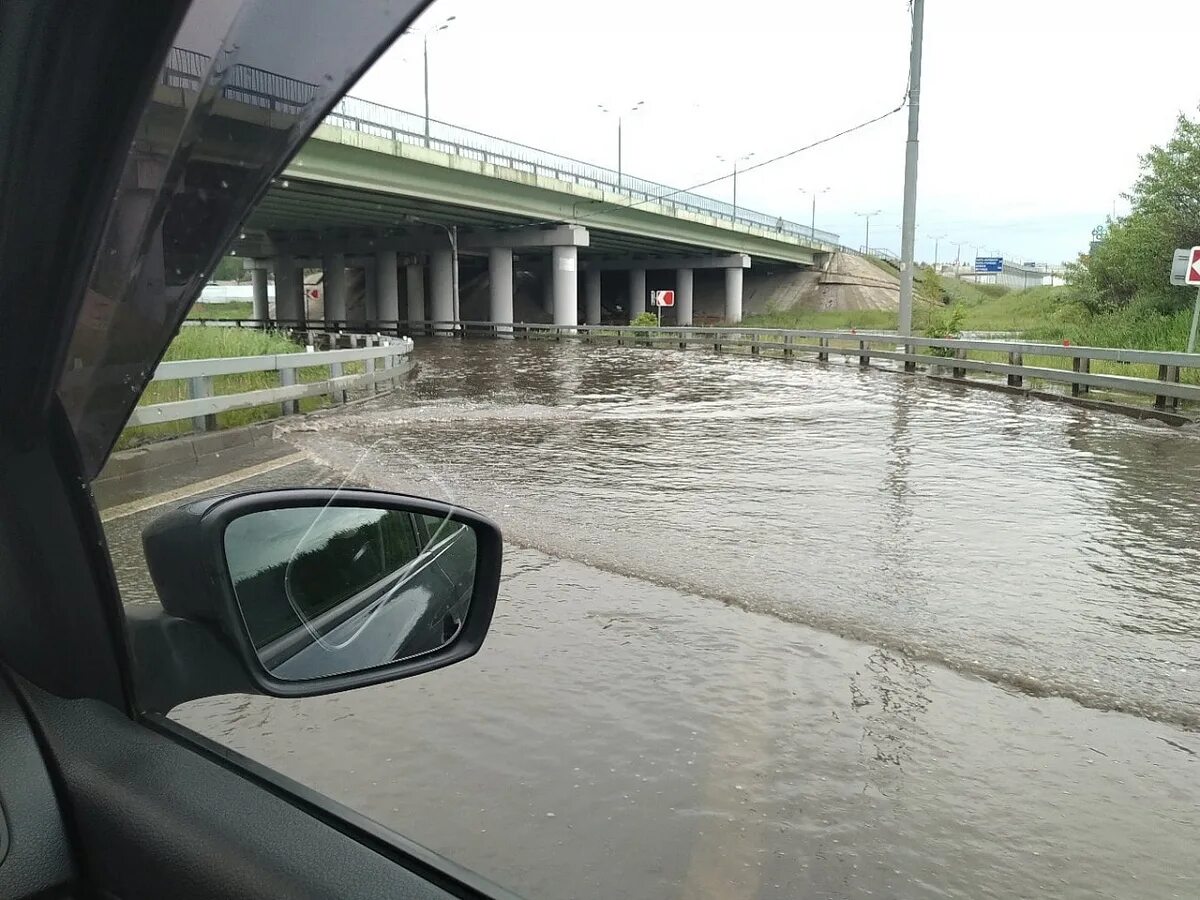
pixel 337 395
pixel 287 378
pixel 754 344
pixel 369 367
pixel 823 355
pixel 864 358
pixel 910 365
pixel 1082 365
pixel 955 371
pixel 198 389
pixel 1167 373
pixel 1015 359
pixel 682 340
pixel 787 345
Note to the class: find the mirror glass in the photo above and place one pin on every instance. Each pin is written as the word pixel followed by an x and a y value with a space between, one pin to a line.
pixel 327 590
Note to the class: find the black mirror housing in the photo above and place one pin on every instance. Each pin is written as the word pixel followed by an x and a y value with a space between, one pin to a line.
pixel 186 550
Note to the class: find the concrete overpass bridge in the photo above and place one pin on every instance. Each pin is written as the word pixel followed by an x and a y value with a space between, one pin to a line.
pixel 378 202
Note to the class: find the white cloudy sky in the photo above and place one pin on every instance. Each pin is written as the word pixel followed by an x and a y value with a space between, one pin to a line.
pixel 1033 112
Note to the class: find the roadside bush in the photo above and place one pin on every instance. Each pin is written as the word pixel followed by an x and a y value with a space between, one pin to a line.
pixel 944 322
pixel 644 319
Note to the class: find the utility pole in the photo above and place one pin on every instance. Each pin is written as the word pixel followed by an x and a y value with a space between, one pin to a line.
pixel 908 230
pixel 936 241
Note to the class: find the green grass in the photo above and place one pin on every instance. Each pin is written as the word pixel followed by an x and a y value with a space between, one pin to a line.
pixel 825 319
pixel 226 309
pixel 213 343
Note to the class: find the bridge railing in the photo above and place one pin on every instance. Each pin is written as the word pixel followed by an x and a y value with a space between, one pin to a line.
pixel 187 69
pixel 301 375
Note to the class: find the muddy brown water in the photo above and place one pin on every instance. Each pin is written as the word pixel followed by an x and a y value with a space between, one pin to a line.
pixel 774 629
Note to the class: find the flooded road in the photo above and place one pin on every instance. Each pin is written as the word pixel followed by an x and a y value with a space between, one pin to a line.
pixel 773 630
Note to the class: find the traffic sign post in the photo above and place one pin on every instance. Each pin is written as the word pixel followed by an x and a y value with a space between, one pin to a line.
pixel 661 299
pixel 1185 271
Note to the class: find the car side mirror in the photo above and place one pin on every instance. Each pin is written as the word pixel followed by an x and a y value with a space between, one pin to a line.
pixel 321 590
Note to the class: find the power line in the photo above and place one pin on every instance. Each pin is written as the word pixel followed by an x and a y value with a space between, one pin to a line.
pixel 766 162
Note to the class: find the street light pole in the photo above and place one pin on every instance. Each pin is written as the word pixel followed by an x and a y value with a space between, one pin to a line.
pixel 425 46
pixel 621 114
pixel 812 227
pixel 735 162
pixel 908 231
pixel 867 216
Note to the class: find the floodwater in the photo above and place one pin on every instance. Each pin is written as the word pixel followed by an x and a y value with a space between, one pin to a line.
pixel 773 629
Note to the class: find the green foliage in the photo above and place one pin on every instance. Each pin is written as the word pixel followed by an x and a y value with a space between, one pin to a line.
pixel 224 309
pixel 944 322
pixel 230 268
pixel 644 320
pixel 211 343
pixel 825 319
pixel 1132 261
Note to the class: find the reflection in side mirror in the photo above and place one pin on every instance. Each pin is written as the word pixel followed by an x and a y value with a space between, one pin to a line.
pixel 326 590
pixel 315 590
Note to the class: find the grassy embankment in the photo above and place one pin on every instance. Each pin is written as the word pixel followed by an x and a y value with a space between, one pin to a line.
pixel 210 343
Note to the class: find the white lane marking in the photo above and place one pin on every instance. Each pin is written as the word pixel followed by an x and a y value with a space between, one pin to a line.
pixel 190 490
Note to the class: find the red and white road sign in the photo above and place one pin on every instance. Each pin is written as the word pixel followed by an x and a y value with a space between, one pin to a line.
pixel 667 298
pixel 1192 276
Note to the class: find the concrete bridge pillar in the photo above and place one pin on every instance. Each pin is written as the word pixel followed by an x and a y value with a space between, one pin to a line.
pixel 414 279
pixel 500 277
pixel 370 307
pixel 733 296
pixel 591 296
pixel 334 282
pixel 683 296
pixel 441 283
pixel 566 285
pixel 387 288
pixel 548 287
pixel 262 308
pixel 637 293
pixel 288 304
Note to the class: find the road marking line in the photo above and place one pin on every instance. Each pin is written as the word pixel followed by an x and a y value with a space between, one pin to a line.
pixel 136 506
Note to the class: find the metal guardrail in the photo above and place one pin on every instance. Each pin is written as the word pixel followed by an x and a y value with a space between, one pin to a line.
pixel 187 69
pixel 1005 359
pixel 203 404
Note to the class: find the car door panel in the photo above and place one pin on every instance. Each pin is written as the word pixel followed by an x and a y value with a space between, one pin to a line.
pixel 35 854
pixel 151 813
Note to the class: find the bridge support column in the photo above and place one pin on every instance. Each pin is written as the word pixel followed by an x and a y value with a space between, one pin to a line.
pixel 334 282
pixel 591 296
pixel 441 283
pixel 548 288
pixel 637 293
pixel 733 296
pixel 370 307
pixel 288 306
pixel 262 308
pixel 387 289
pixel 683 296
pixel 414 282
pixel 500 278
pixel 566 285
